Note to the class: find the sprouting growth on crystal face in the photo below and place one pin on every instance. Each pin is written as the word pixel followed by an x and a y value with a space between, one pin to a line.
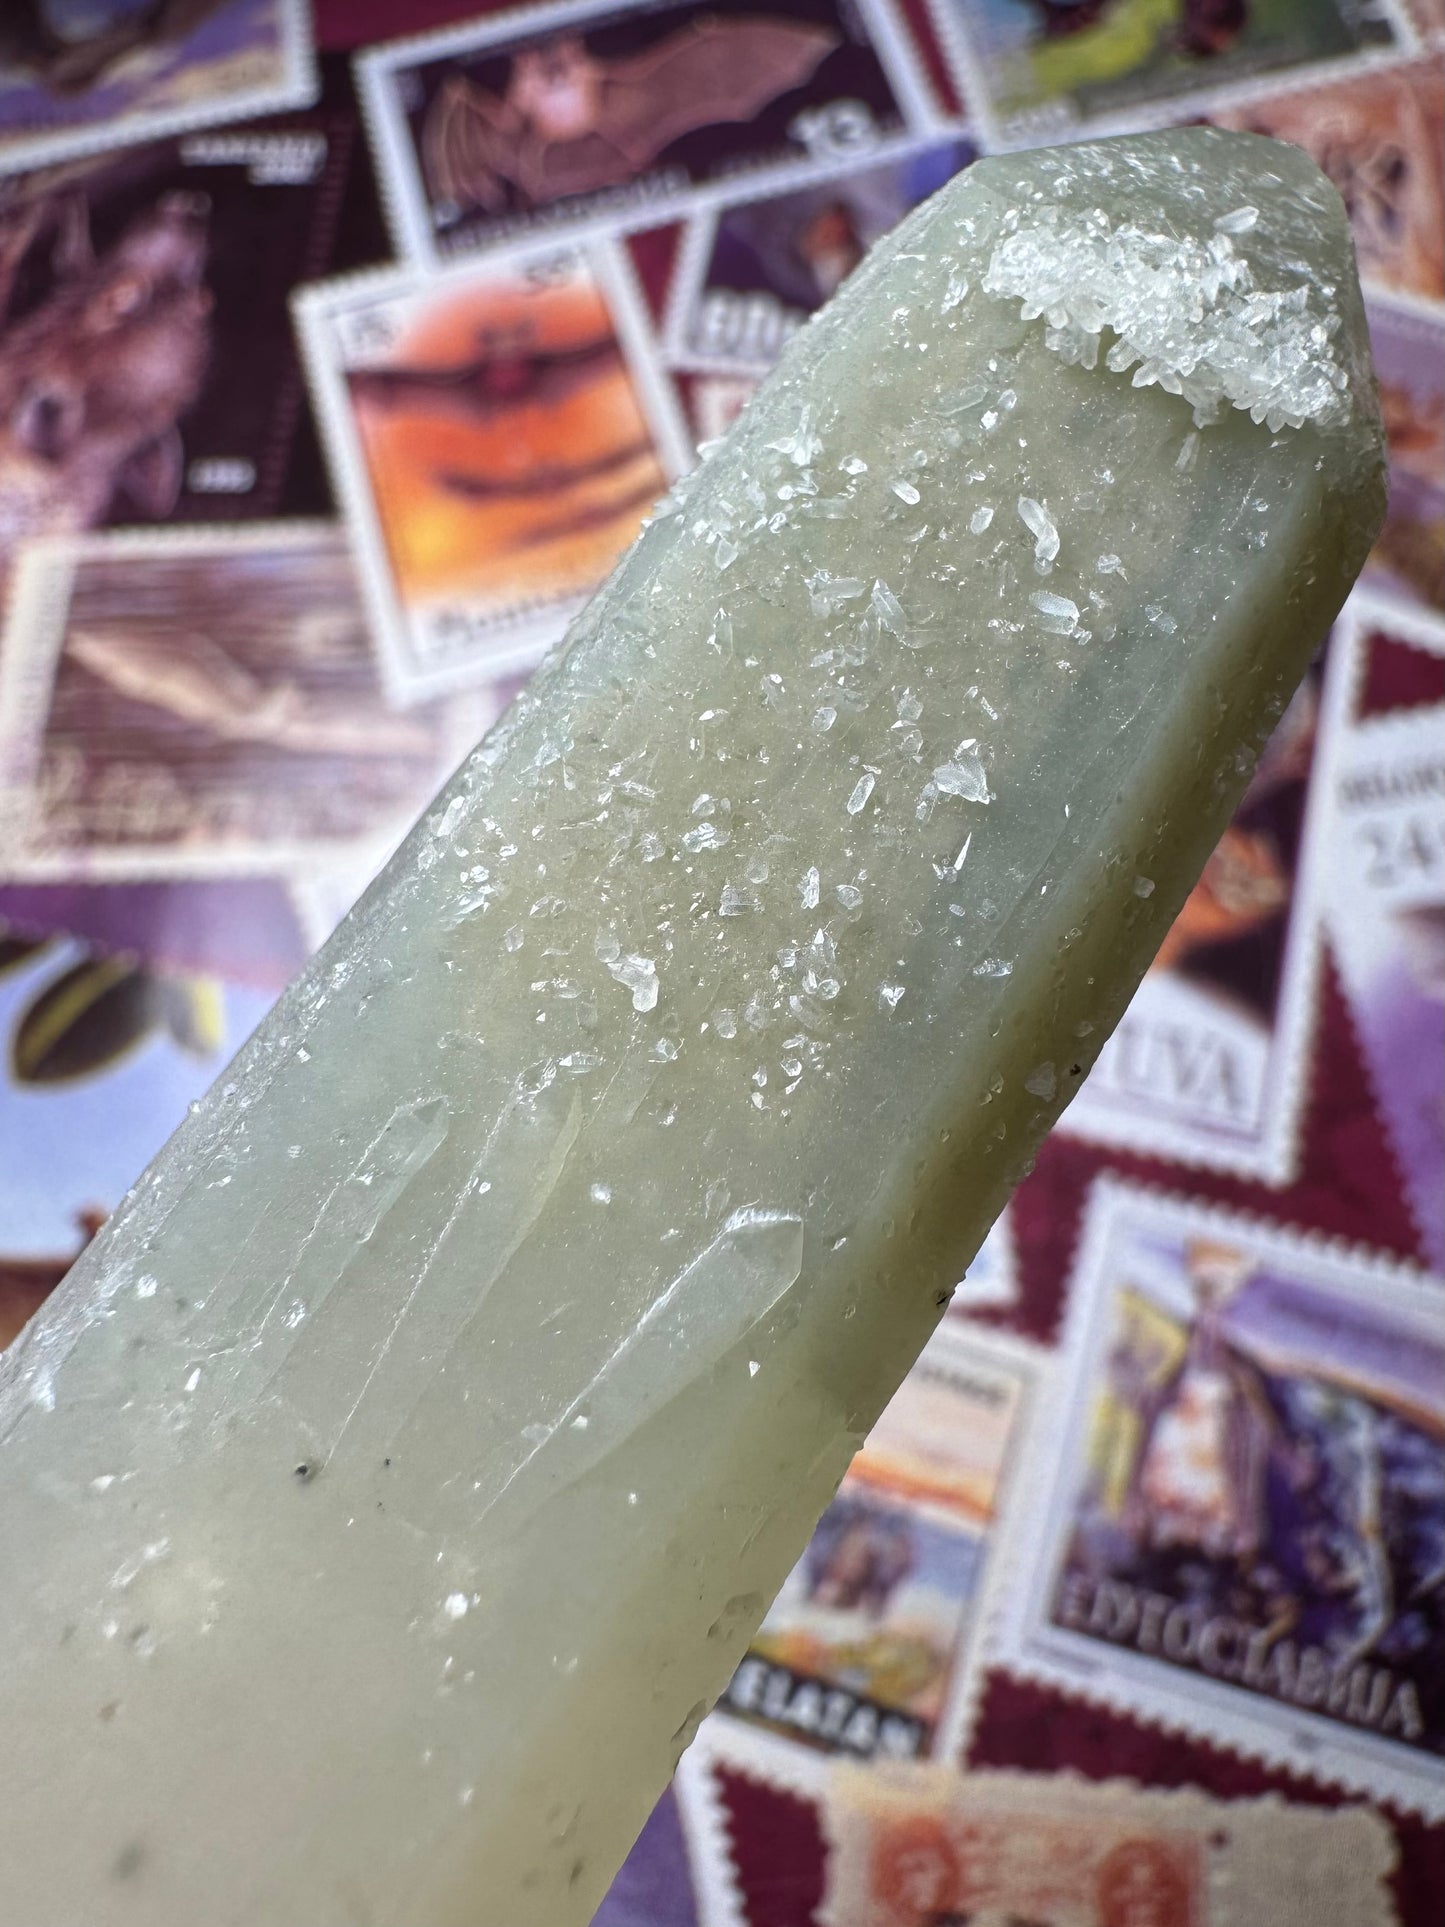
pixel 1185 314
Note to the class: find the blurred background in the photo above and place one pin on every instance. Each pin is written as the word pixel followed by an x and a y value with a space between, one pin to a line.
pixel 336 369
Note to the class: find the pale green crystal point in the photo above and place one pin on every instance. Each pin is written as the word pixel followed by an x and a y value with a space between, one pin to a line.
pixel 389 1490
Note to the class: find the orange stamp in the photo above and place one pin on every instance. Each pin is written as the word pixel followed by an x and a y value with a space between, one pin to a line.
pixel 497 434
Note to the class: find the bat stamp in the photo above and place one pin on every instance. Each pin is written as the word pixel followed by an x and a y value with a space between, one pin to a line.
pixel 1240 1533
pixel 77 78
pixel 497 432
pixel 203 704
pixel 752 270
pixel 1040 70
pixel 1207 1064
pixel 591 114
pixel 1408 560
pixel 148 368
pixel 869 1651
pixel 1379 136
pixel 1384 910
pixel 926 1847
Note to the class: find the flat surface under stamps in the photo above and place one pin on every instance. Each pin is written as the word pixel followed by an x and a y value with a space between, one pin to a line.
pixel 497 432
pixel 1040 70
pixel 76 75
pixel 1241 1533
pixel 202 705
pixel 589 112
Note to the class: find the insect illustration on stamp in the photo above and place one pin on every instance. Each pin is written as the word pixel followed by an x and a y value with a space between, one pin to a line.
pixel 96 375
pixel 571 122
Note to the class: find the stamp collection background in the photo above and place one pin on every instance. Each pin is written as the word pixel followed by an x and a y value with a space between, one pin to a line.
pixel 216 721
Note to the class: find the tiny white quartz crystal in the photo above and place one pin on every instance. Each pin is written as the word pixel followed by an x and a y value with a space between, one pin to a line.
pixel 1188 314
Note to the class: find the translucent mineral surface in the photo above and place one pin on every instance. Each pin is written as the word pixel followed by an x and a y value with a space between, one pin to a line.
pixel 389 1491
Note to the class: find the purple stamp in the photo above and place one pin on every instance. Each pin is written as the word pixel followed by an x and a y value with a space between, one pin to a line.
pixel 1242 1531
pixel 754 269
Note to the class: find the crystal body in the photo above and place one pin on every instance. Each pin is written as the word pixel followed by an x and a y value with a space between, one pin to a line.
pixel 393 1485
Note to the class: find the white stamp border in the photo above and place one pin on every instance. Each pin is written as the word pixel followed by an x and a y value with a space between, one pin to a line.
pixel 968 72
pixel 299 86
pixel 403 195
pixel 1294 1740
pixel 30 644
pixel 318 307
pixel 1272 1155
pixel 689 269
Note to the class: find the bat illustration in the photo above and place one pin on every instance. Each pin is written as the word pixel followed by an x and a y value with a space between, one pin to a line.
pixel 69 62
pixel 94 380
pixel 205 686
pixel 570 122
pixel 508 371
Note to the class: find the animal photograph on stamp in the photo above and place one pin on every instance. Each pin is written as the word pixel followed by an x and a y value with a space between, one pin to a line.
pixel 203 704
pixel 80 74
pixel 148 369
pixel 497 433
pixel 590 111
pixel 1241 1535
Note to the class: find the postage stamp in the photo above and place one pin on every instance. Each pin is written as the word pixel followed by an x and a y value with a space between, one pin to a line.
pixel 992 1280
pixel 148 368
pixel 1207 1064
pixel 752 270
pixel 714 403
pixel 1038 70
pixel 1241 1531
pixel 109 1029
pixel 200 704
pixel 589 113
pixel 1408 560
pixel 1384 907
pixel 921 1847
pixel 870 1649
pixel 76 77
pixel 1379 136
pixel 497 432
